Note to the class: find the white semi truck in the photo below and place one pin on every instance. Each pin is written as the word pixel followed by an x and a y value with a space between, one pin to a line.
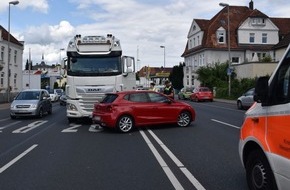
pixel 95 66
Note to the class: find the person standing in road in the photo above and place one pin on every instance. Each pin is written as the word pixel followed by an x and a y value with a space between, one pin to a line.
pixel 168 89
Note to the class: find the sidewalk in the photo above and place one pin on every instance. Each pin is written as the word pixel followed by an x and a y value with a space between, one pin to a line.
pixel 225 101
pixel 4 106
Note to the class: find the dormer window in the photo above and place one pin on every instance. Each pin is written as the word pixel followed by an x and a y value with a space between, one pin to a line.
pixel 258 21
pixel 221 37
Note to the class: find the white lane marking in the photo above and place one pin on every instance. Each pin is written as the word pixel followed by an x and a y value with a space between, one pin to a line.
pixel 9 125
pixel 5 119
pixel 17 158
pixel 71 129
pixel 162 163
pixel 29 127
pixel 225 123
pixel 187 173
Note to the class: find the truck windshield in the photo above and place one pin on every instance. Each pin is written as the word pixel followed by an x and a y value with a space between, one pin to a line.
pixel 96 66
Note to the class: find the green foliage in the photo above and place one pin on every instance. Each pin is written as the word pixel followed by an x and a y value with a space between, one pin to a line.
pixel 266 59
pixel 216 76
pixel 176 77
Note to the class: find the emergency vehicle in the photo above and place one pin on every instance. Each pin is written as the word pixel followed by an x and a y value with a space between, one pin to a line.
pixel 265 134
pixel 95 66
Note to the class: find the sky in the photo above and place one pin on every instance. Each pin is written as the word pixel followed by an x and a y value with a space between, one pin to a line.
pixel 46 26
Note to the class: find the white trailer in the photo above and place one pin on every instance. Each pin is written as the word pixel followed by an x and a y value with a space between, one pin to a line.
pixel 95 66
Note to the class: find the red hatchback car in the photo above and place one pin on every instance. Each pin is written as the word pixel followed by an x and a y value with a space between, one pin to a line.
pixel 201 94
pixel 128 109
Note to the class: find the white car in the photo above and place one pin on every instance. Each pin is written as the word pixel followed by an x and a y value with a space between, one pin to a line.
pixel 53 96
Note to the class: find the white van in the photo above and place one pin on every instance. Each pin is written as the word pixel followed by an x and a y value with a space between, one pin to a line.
pixel 265 134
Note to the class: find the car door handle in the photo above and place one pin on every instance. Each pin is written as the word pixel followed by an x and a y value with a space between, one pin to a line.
pixel 255 119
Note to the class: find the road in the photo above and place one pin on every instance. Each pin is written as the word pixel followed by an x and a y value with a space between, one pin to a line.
pixel 48 153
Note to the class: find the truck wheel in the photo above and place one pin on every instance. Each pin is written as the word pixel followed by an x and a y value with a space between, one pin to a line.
pixel 184 119
pixel 259 173
pixel 125 124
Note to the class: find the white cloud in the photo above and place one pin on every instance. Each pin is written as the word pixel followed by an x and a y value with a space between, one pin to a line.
pixel 36 5
pixel 137 24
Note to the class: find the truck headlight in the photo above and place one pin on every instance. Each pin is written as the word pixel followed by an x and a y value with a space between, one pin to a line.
pixel 71 107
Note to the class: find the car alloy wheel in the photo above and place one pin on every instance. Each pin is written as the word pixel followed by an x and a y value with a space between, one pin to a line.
pixel 125 124
pixel 259 173
pixel 184 119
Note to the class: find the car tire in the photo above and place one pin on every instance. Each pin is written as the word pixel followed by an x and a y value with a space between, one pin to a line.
pixel 240 105
pixel 40 113
pixel 184 119
pixel 125 124
pixel 258 172
pixel 50 110
pixel 12 116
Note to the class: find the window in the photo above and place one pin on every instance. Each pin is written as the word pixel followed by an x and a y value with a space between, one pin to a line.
pixel 138 97
pixel 15 80
pixel 15 56
pixel 235 59
pixel 264 38
pixel 2 80
pixel 198 42
pixel 280 92
pixel 154 97
pixel 221 37
pixel 252 37
pixel 9 55
pixel 2 53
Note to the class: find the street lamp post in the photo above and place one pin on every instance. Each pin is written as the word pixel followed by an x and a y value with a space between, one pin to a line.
pixel 229 45
pixel 164 54
pixel 8 55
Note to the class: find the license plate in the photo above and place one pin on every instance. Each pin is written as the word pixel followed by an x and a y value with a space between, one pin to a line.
pixel 97 118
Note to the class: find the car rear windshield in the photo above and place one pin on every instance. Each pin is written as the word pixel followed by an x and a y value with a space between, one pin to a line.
pixel 109 98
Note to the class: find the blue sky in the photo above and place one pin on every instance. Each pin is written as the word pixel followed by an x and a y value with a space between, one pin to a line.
pixel 46 26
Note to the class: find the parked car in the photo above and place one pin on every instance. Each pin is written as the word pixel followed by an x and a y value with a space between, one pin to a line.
pixel 185 93
pixel 201 94
pixel 62 99
pixel 128 109
pixel 246 100
pixel 53 96
pixel 31 102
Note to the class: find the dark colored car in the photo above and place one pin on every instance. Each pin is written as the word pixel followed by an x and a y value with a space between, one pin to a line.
pixel 202 94
pixel 62 99
pixel 246 100
pixel 128 109
pixel 31 102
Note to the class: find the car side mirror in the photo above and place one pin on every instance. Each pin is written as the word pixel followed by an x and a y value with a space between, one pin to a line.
pixel 261 90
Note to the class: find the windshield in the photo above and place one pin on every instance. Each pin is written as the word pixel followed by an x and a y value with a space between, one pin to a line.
pixel 94 66
pixel 28 95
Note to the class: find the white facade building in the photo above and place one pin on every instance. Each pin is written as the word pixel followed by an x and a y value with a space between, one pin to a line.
pixel 15 65
pixel 253 36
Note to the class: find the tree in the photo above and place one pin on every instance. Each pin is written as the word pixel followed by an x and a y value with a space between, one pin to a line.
pixel 176 76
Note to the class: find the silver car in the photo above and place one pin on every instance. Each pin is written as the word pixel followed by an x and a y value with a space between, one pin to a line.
pixel 246 100
pixel 31 102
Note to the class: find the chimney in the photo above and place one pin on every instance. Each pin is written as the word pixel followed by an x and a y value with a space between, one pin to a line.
pixel 251 5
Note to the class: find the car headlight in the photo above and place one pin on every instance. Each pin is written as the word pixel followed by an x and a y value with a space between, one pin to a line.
pixel 71 107
pixel 33 105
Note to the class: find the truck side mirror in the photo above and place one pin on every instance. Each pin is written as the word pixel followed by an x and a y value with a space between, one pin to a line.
pixel 261 90
pixel 128 64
